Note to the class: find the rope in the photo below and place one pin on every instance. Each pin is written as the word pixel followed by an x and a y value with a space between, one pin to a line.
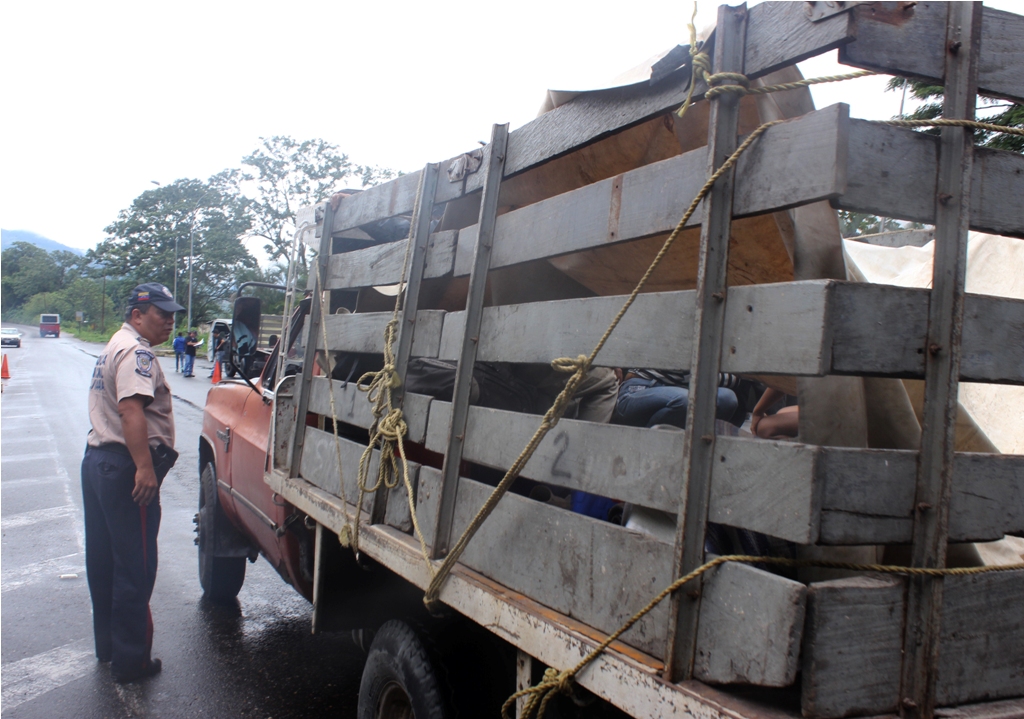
pixel 974 124
pixel 560 682
pixel 579 368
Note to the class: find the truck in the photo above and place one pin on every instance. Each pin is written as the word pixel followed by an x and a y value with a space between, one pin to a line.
pixel 833 574
pixel 49 325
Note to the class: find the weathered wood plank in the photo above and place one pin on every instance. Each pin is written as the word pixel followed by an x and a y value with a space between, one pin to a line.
pixel 600 574
pixel 794 163
pixel 911 42
pixel 802 493
pixel 320 468
pixel 868 496
pixel 382 264
pixel 892 172
pixel 808 328
pixel 751 624
pixel 851 655
pixel 365 333
pixel 353 408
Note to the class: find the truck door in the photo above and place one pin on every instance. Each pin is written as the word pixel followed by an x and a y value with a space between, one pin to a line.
pixel 254 502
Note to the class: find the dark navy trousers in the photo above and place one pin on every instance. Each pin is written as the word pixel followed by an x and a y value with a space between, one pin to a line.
pixel 120 559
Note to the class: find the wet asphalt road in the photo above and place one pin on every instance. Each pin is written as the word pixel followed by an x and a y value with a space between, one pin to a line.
pixel 254 659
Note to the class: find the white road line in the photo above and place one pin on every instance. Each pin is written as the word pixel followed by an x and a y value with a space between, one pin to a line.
pixel 26 679
pixel 36 572
pixel 25 519
pixel 29 457
pixel 12 483
pixel 34 439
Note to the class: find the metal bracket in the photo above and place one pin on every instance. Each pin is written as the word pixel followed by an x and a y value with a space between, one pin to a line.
pixel 818 11
pixel 225 437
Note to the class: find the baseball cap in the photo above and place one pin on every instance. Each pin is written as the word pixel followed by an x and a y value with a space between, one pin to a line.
pixel 155 294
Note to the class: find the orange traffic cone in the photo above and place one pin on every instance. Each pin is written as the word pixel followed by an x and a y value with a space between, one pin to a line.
pixel 216 372
pixel 4 372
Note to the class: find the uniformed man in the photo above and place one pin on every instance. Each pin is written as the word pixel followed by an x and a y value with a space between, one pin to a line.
pixel 130 450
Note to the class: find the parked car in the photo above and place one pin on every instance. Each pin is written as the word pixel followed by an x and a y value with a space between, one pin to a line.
pixel 10 337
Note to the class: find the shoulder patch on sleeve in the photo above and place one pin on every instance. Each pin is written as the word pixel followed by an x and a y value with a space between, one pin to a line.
pixel 144 363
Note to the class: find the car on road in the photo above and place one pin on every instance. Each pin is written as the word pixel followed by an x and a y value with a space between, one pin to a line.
pixel 10 337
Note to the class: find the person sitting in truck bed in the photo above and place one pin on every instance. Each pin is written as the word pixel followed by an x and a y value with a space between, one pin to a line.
pixel 650 397
pixel 778 424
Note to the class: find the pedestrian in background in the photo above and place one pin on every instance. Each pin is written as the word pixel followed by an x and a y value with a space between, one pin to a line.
pixel 190 353
pixel 179 353
pixel 129 451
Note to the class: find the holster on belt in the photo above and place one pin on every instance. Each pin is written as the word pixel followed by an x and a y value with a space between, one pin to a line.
pixel 164 458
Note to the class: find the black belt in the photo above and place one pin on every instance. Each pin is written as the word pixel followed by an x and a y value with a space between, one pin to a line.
pixel 164 457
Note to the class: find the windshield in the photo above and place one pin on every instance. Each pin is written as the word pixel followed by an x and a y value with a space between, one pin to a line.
pixel 49 319
pixel 8 332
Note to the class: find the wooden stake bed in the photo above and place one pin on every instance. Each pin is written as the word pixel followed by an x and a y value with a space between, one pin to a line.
pixel 531 260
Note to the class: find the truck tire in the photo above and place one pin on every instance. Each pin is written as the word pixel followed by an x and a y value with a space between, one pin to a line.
pixel 400 681
pixel 220 577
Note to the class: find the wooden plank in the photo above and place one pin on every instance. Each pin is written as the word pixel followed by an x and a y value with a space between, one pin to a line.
pixel 905 188
pixel 794 163
pixel 382 264
pixel 313 327
pixel 942 363
pixel 320 468
pixel 476 295
pixel 353 408
pixel 851 661
pixel 365 333
pixel 910 42
pixel 852 644
pixel 751 625
pixel 868 496
pixel 623 676
pixel 629 463
pixel 708 330
pixel 377 203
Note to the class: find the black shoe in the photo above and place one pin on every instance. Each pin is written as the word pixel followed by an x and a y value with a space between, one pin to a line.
pixel 151 668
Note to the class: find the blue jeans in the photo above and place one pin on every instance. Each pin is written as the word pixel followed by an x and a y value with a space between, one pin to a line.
pixel 179 360
pixel 646 402
pixel 189 361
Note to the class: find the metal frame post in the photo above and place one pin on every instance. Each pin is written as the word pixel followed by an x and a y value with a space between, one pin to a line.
pixel 467 356
pixel 942 363
pixel 699 438
pixel 419 236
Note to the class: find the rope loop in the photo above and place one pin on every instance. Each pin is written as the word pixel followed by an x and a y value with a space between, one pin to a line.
pixel 569 364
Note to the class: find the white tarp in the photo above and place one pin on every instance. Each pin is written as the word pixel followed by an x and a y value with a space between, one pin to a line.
pixel 995 266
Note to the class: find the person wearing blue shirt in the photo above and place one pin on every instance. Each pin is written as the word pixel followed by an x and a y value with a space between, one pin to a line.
pixel 179 353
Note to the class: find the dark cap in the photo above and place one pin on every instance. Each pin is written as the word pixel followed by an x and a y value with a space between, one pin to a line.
pixel 154 293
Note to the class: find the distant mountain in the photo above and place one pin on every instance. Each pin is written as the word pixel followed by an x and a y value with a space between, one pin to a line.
pixel 9 237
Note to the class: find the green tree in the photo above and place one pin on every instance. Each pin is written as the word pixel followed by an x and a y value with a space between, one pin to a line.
pixel 27 270
pixel 162 224
pixel 988 109
pixel 283 175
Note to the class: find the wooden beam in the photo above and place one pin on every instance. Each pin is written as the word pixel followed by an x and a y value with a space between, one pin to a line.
pixel 469 341
pixel 382 264
pixel 365 333
pixel 312 329
pixel 902 39
pixel 708 329
pixel 942 363
pixel 906 189
pixel 802 493
pixel 851 655
pixel 353 408
pixel 799 161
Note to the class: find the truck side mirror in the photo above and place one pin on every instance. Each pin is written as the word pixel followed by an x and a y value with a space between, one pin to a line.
pixel 245 332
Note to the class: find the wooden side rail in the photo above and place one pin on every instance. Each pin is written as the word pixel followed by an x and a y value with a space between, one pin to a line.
pixel 382 264
pixel 809 328
pixel 365 332
pixel 803 493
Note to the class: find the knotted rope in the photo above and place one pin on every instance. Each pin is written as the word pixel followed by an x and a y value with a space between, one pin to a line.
pixel 560 682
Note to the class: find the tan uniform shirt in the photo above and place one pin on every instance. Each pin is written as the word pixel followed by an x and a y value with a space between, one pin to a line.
pixel 127 368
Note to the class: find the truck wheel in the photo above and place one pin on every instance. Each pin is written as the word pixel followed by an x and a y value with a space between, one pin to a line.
pixel 399 680
pixel 220 577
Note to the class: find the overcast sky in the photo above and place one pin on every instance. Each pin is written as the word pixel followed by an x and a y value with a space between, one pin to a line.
pixel 100 98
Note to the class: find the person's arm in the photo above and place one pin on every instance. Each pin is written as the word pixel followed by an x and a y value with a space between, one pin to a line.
pixel 770 397
pixel 136 437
